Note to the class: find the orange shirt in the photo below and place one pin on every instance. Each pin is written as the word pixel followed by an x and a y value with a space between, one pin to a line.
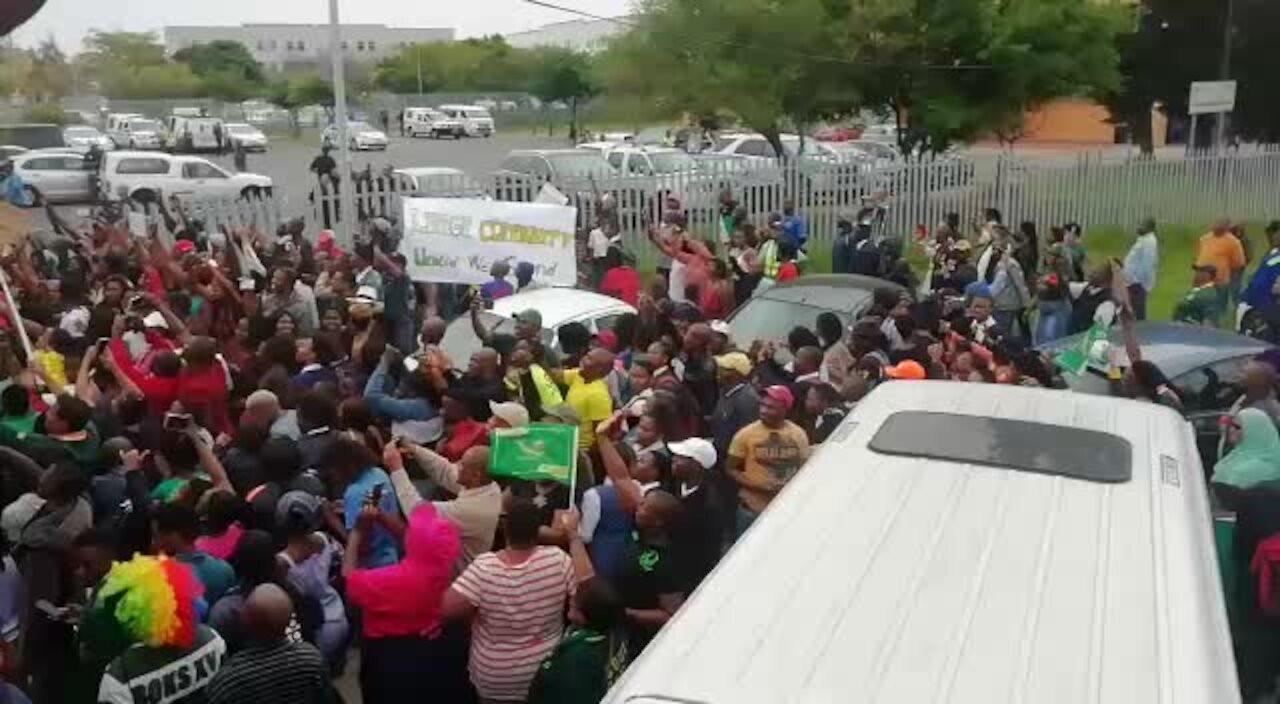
pixel 1223 252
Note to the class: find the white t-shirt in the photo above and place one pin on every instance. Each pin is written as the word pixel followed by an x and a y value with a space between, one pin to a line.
pixel 678 282
pixel 599 243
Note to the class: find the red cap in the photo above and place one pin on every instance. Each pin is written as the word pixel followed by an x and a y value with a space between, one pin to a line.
pixel 781 394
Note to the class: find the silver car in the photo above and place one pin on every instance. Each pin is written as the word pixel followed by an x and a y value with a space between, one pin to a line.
pixel 247 135
pixel 83 137
pixel 56 176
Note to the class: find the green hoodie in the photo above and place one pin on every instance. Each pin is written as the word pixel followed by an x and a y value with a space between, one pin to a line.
pixel 1256 459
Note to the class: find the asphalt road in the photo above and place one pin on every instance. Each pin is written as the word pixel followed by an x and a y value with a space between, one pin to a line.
pixel 286 160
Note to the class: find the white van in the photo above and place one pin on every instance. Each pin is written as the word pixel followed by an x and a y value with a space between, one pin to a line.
pixel 966 544
pixel 432 123
pixel 476 119
pixel 116 125
pixel 191 135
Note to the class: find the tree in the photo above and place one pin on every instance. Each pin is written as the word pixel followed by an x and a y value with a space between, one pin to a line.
pixel 48 76
pixel 229 59
pixel 954 70
pixel 124 48
pixel 158 81
pixel 563 74
pixel 310 90
pixel 773 64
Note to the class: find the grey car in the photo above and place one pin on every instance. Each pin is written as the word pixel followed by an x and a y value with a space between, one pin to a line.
pixel 772 313
pixel 56 176
pixel 1204 365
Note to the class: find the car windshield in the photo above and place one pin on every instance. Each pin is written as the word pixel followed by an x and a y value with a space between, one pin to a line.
pixel 144 126
pixel 770 319
pixel 241 129
pixel 460 340
pixel 584 164
pixel 672 162
pixel 359 127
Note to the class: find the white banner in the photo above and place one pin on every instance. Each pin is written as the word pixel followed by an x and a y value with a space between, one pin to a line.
pixel 456 240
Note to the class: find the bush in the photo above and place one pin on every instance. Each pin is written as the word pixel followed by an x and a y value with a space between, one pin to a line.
pixel 46 112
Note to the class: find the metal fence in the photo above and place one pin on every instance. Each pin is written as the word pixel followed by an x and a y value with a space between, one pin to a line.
pixel 1093 189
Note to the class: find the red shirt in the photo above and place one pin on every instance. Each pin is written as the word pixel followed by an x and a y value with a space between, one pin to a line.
pixel 462 436
pixel 621 282
pixel 205 391
pixel 787 272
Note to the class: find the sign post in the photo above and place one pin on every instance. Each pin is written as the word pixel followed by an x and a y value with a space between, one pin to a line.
pixel 1210 98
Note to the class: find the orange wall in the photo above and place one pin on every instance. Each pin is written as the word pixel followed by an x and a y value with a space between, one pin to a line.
pixel 1072 120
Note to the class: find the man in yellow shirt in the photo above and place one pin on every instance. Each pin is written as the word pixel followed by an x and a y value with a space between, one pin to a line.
pixel 765 455
pixel 589 394
pixel 1222 250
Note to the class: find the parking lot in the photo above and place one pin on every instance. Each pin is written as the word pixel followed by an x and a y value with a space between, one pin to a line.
pixel 287 159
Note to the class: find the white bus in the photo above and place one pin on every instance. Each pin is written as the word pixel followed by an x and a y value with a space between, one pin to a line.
pixel 966 544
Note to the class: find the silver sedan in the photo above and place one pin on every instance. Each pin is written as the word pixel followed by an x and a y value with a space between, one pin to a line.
pixel 56 176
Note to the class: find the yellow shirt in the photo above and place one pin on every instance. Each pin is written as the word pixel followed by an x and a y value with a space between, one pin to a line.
pixel 768 453
pixel 591 401
pixel 1223 252
pixel 53 364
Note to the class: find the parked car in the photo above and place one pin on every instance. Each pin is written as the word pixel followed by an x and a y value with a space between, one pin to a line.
pixel 770 314
pixel 84 137
pixel 1205 366
pixel 9 151
pixel 51 176
pixel 145 176
pixel 439 182
pixel 524 171
pixel 245 134
pixel 558 307
pixel 820 165
pixel 649 175
pixel 432 123
pixel 475 118
pixel 360 135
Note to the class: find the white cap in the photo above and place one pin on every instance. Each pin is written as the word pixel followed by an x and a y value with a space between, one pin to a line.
pixel 513 414
pixel 697 449
pixel 155 320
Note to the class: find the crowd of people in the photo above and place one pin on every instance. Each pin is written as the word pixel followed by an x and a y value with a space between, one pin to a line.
pixel 231 461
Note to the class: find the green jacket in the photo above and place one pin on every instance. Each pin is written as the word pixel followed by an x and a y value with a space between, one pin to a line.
pixel 576 672
pixel 1200 305
pixel 47 449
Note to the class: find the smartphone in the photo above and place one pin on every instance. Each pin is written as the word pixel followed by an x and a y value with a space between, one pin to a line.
pixel 177 421
pixel 102 344
pixel 375 495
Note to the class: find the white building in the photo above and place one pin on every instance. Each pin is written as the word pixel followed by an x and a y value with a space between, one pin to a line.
pixel 275 45
pixel 578 35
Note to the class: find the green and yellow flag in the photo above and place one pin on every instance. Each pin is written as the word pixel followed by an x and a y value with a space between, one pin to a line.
pixel 1075 360
pixel 537 452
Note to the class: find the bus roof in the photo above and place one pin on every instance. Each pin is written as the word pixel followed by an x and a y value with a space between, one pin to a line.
pixel 887 577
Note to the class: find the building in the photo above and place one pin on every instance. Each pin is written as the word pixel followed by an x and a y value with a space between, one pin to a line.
pixel 578 35
pixel 276 45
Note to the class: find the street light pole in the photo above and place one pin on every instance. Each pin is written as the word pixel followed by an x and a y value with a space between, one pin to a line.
pixel 345 225
pixel 1224 68
pixel 417 51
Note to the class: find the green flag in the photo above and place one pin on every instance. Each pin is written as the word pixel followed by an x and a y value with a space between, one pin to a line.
pixel 1075 360
pixel 538 452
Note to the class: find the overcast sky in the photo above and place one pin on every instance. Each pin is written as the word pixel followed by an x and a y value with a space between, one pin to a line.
pixel 69 20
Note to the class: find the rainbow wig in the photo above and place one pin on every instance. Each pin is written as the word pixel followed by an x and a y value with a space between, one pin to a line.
pixel 155 600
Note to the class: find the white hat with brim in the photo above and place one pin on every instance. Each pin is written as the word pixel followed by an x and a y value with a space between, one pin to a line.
pixel 696 449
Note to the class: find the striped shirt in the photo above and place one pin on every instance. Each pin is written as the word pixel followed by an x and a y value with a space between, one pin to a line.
pixel 520 618
pixel 281 673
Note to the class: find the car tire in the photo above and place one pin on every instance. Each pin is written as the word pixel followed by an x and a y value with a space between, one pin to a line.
pixel 33 196
pixel 144 195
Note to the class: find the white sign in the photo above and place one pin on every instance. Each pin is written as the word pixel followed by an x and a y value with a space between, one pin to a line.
pixel 456 240
pixel 1211 97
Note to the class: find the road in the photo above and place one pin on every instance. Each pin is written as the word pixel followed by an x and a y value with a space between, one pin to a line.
pixel 286 160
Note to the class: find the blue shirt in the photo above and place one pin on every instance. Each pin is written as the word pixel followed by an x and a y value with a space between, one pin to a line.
pixel 14 190
pixel 379 550
pixel 216 575
pixel 1258 294
pixel 794 227
pixel 495 289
